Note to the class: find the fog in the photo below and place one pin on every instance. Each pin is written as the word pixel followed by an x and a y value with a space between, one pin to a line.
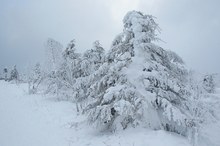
pixel 191 28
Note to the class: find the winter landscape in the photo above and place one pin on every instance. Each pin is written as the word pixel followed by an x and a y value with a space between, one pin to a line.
pixel 134 93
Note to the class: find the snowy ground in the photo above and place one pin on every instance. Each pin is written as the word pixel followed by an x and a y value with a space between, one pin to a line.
pixel 211 132
pixel 35 120
pixel 32 120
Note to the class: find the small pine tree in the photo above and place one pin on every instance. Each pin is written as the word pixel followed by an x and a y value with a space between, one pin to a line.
pixel 5 73
pixel 208 83
pixel 69 52
pixel 35 79
pixel 14 74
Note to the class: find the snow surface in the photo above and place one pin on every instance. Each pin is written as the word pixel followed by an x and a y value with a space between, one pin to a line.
pixel 36 120
pixel 211 132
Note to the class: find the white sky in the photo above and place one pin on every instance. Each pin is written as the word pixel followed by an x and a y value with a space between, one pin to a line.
pixel 189 27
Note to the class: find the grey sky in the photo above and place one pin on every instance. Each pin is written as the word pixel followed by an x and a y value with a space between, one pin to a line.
pixel 189 27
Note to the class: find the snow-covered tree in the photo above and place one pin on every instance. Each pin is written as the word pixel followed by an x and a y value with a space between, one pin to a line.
pixel 14 74
pixel 5 74
pixel 92 59
pixel 35 79
pixel 143 83
pixel 54 61
pixel 209 84
pixel 53 54
pixel 78 70
pixel 70 51
pixel 61 81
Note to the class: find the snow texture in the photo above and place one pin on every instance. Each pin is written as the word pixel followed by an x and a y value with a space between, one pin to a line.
pixel 38 120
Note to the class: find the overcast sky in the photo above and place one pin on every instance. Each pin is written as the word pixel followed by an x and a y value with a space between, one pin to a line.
pixel 191 28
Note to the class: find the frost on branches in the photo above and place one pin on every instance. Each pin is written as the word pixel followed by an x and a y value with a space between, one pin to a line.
pixel 14 74
pixel 35 78
pixel 208 83
pixel 54 54
pixel 144 83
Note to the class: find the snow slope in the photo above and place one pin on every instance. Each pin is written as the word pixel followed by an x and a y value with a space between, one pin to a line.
pixel 36 120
